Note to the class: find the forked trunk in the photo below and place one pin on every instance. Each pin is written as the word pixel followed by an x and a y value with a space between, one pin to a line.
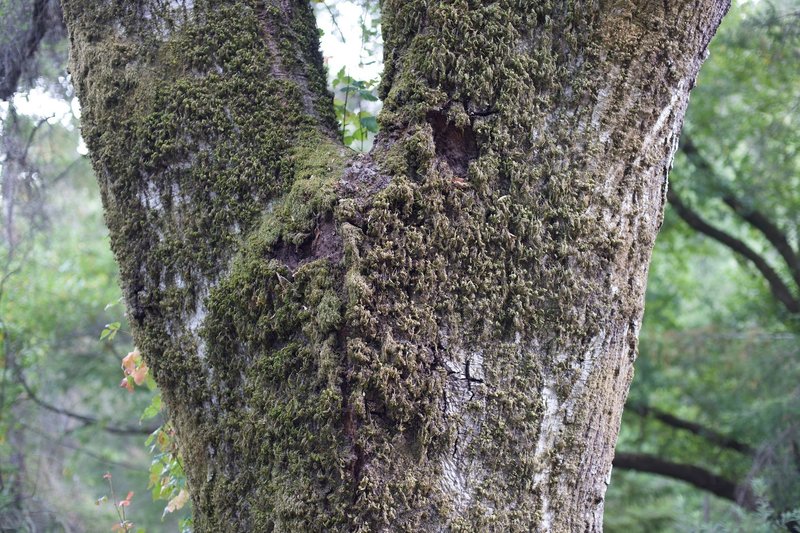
pixel 438 336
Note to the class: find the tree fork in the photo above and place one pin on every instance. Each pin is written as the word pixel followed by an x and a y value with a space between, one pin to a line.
pixel 435 337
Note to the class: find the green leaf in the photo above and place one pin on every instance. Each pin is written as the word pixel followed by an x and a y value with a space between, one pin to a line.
pixel 152 410
pixel 110 331
pixel 369 123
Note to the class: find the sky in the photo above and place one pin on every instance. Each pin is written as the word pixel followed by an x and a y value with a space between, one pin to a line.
pixel 341 43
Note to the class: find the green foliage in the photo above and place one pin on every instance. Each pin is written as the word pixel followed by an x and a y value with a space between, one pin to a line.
pixel 167 479
pixel 358 125
pixel 717 348
pixel 56 281
pixel 356 103
pixel 110 331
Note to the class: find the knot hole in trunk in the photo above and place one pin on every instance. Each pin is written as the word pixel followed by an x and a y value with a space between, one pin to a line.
pixel 457 146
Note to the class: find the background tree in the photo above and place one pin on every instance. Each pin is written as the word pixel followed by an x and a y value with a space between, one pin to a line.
pixel 63 422
pixel 438 335
pixel 722 301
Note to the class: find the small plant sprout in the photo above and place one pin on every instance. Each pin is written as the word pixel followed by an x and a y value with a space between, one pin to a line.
pixel 123 523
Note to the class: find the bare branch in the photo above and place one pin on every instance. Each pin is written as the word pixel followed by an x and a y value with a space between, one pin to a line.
pixel 83 450
pixel 31 136
pixel 708 434
pixel 776 284
pixel 697 477
pixel 88 420
pixel 755 218
pixel 13 62
pixel 773 234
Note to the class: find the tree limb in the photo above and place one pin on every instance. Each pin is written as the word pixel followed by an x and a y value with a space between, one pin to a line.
pixel 772 233
pixel 776 284
pixel 755 218
pixel 13 62
pixel 708 434
pixel 89 420
pixel 697 477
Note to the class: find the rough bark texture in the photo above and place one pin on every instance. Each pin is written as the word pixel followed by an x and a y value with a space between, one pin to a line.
pixel 435 337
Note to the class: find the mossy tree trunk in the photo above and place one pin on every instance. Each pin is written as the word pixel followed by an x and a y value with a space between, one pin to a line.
pixel 438 336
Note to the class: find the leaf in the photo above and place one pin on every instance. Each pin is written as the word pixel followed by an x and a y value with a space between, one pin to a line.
pixel 359 135
pixel 110 331
pixel 127 501
pixel 177 502
pixel 155 476
pixel 126 383
pixel 370 123
pixel 152 436
pixel 130 361
pixel 162 439
pixel 135 370
pixel 152 410
pixel 367 95
pixel 140 374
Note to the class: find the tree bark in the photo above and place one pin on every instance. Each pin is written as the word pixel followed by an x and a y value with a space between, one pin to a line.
pixel 438 336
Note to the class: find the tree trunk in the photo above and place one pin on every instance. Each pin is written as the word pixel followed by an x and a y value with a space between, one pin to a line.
pixel 438 336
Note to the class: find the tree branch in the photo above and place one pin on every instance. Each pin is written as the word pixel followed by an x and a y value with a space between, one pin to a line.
pixel 773 234
pixel 755 218
pixel 708 434
pixel 697 477
pixel 14 60
pixel 776 284
pixel 117 430
pixel 83 450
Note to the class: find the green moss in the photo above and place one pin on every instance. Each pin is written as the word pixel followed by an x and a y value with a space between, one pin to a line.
pixel 208 160
pixel 486 259
pixel 280 324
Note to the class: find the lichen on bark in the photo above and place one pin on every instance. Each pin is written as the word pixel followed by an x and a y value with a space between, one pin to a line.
pixel 437 336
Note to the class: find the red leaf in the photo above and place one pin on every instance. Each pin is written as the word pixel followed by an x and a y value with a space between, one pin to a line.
pixel 126 384
pixel 127 501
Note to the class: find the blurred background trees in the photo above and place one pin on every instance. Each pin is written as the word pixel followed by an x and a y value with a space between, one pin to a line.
pixel 716 398
pixel 711 434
